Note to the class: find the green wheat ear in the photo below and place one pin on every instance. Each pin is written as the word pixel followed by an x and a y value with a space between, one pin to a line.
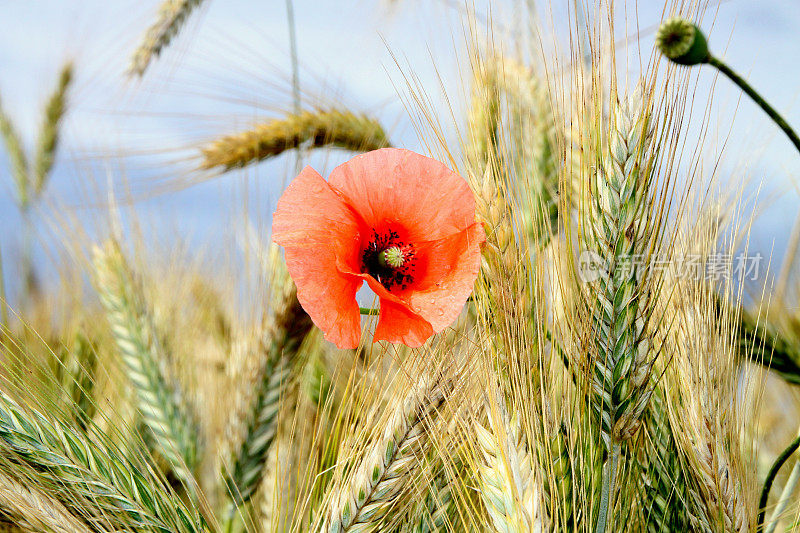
pixel 163 412
pixel 618 230
pixel 283 334
pixel 92 479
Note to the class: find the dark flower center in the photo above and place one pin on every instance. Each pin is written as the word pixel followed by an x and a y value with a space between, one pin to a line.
pixel 374 263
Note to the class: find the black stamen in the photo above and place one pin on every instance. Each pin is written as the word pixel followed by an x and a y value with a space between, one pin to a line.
pixel 386 275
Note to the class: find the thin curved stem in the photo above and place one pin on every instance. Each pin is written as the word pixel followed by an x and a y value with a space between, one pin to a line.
pixel 783 501
pixel 768 109
pixel 773 472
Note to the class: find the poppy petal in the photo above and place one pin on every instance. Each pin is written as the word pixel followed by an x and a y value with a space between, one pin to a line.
pixel 397 321
pixel 392 186
pixel 318 230
pixel 446 273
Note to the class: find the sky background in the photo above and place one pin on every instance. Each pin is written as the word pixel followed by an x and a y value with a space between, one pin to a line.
pixel 230 68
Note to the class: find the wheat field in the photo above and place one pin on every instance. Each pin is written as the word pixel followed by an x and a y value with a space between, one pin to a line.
pixel 588 343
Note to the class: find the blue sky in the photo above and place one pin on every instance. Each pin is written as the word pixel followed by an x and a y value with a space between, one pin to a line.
pixel 231 67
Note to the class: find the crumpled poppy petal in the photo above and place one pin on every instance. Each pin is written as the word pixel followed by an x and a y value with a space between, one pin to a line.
pixel 396 186
pixel 446 273
pixel 318 230
pixel 397 321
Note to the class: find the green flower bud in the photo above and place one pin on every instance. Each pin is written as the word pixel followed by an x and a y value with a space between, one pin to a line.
pixel 682 42
pixel 391 257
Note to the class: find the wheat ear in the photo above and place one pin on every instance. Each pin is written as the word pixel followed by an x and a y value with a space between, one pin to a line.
pixel 92 481
pixel 502 284
pixel 17 158
pixel 48 136
pixel 163 413
pixel 708 395
pixel 664 491
pixel 34 510
pixel 382 474
pixel 557 483
pixel 325 128
pixel 79 381
pixel 536 145
pixel 171 16
pixel 432 513
pixel 618 234
pixel 284 332
pixel 508 486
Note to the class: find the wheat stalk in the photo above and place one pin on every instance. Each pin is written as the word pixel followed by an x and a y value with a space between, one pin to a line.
pixel 325 128
pixel 162 410
pixel 48 135
pixel 383 472
pixel 92 481
pixel 171 16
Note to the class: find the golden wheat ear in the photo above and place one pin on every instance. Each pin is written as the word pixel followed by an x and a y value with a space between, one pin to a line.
pixel 47 143
pixel 383 472
pixel 341 129
pixel 172 14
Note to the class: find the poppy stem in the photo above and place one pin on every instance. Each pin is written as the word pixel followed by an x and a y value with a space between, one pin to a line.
pixel 757 98
pixel 783 501
pixel 773 472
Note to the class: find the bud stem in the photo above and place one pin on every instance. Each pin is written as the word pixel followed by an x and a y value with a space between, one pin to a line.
pixel 768 109
pixel 773 472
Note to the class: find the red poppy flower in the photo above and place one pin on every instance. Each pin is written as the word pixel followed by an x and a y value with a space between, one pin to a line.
pixel 402 222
